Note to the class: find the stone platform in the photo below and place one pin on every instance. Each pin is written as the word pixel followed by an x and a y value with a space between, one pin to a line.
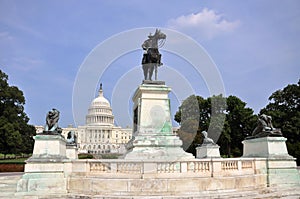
pixel 159 179
pixel 45 169
pixel 9 185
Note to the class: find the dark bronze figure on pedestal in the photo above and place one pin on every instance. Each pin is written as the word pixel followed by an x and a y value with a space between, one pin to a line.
pixel 264 128
pixel 152 57
pixel 52 122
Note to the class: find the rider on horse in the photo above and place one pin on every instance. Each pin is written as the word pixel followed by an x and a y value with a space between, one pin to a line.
pixel 151 56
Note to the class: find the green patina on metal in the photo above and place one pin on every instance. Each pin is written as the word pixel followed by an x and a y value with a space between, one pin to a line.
pixel 166 128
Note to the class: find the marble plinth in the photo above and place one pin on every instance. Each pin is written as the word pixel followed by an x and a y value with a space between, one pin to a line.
pixel 208 151
pixel 48 148
pixel 72 152
pixel 280 166
pixel 268 147
pixel 152 134
pixel 45 169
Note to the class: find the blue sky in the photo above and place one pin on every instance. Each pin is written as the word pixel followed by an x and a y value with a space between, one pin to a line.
pixel 43 44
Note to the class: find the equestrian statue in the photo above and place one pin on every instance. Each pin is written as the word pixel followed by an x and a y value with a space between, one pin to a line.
pixel 152 57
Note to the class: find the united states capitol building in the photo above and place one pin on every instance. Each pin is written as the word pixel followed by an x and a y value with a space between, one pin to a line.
pixel 99 135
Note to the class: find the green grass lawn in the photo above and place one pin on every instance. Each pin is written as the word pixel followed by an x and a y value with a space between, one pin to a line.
pixel 17 161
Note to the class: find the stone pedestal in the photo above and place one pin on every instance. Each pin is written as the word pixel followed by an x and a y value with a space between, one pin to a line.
pixel 152 134
pixel 281 168
pixel 44 170
pixel 268 147
pixel 72 152
pixel 208 151
pixel 49 147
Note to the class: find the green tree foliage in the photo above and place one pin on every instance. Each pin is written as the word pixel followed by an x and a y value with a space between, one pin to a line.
pixel 239 123
pixel 193 116
pixel 227 121
pixel 285 111
pixel 16 134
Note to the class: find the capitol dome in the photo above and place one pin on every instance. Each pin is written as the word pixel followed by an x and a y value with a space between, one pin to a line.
pixel 100 112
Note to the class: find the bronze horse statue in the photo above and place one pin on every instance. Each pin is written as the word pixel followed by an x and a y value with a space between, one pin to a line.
pixel 152 57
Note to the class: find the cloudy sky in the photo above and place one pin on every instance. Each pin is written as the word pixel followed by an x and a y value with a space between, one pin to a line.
pixel 44 46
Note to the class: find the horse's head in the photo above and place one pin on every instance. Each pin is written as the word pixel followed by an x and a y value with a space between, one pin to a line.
pixel 160 38
pixel 159 35
pixel 155 41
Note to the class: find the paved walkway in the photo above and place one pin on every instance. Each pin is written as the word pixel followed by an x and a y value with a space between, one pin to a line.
pixel 8 187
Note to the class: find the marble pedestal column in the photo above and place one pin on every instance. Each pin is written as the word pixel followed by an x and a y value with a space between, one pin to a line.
pixel 153 138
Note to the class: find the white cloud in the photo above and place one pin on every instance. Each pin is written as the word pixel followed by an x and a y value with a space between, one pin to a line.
pixel 206 23
pixel 26 63
pixel 5 36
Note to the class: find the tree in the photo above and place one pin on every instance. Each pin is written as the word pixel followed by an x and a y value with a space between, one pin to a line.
pixel 239 124
pixel 193 115
pixel 16 134
pixel 285 111
pixel 227 121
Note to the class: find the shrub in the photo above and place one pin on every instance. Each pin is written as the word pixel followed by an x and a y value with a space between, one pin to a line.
pixel 85 156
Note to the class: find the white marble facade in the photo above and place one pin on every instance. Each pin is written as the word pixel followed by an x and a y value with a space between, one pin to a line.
pixel 99 135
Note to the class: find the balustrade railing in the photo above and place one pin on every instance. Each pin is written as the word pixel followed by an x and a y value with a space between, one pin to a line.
pixel 204 166
pixel 166 167
pixel 129 167
pixel 100 167
pixel 229 165
pixel 199 167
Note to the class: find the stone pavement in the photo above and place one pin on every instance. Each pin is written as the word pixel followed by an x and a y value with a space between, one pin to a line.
pixel 8 183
